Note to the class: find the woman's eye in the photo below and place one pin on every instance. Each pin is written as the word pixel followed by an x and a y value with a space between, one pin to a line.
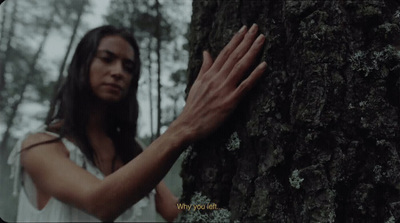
pixel 107 59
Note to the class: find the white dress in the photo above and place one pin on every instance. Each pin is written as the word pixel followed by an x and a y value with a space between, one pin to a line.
pixel 57 211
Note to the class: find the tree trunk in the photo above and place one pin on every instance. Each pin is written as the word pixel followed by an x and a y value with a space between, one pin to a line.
pixel 3 57
pixel 60 79
pixel 158 51
pixel 32 68
pixel 3 11
pixel 317 140
pixel 149 68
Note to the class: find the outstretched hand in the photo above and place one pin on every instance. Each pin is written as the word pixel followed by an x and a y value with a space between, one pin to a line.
pixel 220 86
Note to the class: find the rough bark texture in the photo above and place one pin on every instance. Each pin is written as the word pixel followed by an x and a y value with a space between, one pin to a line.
pixel 317 140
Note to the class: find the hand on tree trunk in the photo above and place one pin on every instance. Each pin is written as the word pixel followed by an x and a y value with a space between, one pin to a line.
pixel 220 85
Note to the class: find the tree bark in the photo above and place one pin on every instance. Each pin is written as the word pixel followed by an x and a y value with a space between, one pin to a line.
pixel 27 81
pixel 60 78
pixel 8 49
pixel 150 89
pixel 158 51
pixel 317 140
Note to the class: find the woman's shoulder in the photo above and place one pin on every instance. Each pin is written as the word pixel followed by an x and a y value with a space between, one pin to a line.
pixel 38 138
pixel 40 147
pixel 44 137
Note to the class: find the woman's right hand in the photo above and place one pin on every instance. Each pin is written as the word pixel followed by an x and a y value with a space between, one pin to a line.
pixel 220 86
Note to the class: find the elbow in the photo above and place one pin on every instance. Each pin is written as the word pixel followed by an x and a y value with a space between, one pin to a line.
pixel 170 217
pixel 106 203
pixel 106 217
pixel 102 208
pixel 169 213
pixel 104 213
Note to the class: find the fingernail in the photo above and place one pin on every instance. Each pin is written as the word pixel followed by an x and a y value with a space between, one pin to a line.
pixel 242 29
pixel 261 37
pixel 263 65
pixel 253 28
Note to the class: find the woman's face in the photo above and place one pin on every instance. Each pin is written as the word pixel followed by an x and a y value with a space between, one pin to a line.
pixel 111 70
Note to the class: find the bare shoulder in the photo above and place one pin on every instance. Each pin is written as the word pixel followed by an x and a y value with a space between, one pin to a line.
pixel 38 144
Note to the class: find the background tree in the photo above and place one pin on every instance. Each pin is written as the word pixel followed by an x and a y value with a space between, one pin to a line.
pixel 174 92
pixel 159 28
pixel 25 75
pixel 30 74
pixel 27 72
pixel 317 140
pixel 7 34
pixel 77 8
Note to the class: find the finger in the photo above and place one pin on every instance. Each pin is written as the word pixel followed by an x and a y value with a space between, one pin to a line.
pixel 240 51
pixel 229 48
pixel 249 82
pixel 207 63
pixel 240 68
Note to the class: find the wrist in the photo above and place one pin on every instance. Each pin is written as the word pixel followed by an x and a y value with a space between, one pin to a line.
pixel 181 131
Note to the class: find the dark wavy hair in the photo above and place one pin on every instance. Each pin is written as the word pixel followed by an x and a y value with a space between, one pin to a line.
pixel 73 97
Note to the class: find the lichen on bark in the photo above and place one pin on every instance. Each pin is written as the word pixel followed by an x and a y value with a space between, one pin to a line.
pixel 319 134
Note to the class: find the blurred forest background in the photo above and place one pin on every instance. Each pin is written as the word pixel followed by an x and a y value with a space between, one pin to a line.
pixel 37 40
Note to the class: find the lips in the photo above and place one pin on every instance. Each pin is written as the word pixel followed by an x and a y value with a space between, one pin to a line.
pixel 114 86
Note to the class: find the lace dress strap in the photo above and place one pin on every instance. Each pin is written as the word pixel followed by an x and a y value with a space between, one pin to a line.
pixel 14 157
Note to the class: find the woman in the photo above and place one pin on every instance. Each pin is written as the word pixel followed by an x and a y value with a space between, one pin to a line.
pixel 85 165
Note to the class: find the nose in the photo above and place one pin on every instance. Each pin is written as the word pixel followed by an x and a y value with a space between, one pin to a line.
pixel 117 70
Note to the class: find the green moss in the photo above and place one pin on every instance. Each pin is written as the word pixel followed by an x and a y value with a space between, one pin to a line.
pixel 295 180
pixel 260 203
pixel 368 63
pixel 233 142
pixel 203 215
pixel 326 211
pixel 387 28
pixel 188 155
pixel 378 173
pixel 369 11
pixel 391 220
pixel 358 62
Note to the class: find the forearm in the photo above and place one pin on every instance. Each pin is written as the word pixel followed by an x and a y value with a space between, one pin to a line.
pixel 136 179
pixel 166 203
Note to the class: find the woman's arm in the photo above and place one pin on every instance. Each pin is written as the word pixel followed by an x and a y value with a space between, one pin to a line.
pixel 55 174
pixel 166 203
pixel 215 93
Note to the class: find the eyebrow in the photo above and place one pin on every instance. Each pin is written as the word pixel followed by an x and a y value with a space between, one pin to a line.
pixel 114 55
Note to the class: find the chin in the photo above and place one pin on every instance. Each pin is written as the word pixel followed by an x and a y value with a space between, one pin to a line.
pixel 110 98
